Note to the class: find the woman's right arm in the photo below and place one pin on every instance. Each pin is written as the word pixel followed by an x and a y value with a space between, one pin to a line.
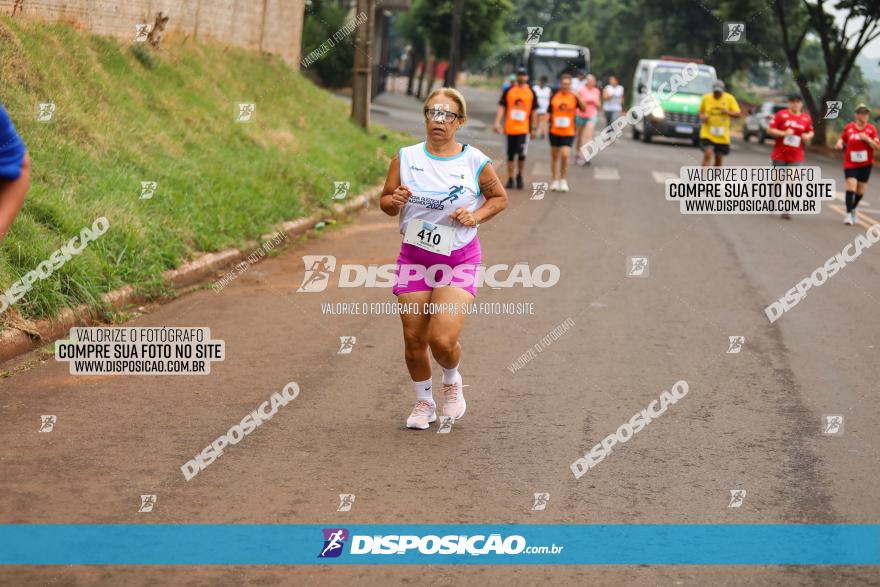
pixel 394 195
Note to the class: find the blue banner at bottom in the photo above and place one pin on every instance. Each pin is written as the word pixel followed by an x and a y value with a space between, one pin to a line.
pixel 516 544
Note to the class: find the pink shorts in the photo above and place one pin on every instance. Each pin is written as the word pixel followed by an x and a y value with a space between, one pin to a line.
pixel 421 270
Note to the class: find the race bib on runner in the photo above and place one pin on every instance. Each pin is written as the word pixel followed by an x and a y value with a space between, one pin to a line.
pixel 430 237
pixel 858 156
pixel 716 131
pixel 791 140
pixel 518 115
pixel 562 122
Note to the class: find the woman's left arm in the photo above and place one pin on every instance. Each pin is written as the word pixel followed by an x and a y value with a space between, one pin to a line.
pixel 494 192
pixel 496 200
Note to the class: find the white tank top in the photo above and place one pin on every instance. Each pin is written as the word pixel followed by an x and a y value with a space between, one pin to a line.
pixel 441 185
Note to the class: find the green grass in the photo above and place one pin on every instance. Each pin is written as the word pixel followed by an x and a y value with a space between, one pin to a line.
pixel 129 114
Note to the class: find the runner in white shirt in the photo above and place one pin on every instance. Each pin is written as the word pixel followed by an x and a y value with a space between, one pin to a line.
pixel 542 92
pixel 442 190
pixel 612 100
pixel 578 81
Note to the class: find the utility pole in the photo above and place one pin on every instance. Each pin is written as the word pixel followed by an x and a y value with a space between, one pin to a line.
pixel 363 49
pixel 455 44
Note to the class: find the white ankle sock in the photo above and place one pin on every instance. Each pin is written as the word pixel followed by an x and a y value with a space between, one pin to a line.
pixel 451 375
pixel 424 390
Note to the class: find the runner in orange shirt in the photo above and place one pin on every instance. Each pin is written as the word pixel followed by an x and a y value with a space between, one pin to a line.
pixel 518 108
pixel 563 105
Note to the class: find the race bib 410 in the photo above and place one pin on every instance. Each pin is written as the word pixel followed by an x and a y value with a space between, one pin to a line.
pixel 430 237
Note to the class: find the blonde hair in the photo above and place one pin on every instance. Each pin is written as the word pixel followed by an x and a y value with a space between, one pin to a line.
pixel 452 93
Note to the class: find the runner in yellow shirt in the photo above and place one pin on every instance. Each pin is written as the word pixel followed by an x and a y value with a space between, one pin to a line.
pixel 716 110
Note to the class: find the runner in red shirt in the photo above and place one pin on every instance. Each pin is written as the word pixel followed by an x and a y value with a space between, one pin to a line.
pixel 860 140
pixel 791 128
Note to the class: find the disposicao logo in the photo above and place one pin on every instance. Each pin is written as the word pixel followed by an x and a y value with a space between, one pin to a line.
pixel 334 540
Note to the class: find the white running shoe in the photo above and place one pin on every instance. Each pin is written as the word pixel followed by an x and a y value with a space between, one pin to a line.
pixel 554 186
pixel 848 219
pixel 422 415
pixel 454 404
pixel 563 185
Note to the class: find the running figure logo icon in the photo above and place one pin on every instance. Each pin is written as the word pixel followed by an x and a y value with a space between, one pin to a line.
pixel 736 498
pixel 147 503
pixel 45 110
pixel 454 191
pixel 540 502
pixel 318 270
pixel 736 344
pixel 539 189
pixel 832 425
pixel 148 189
pixel 346 500
pixel 637 267
pixel 832 109
pixel 340 189
pixel 533 34
pixel 346 345
pixel 445 426
pixel 334 540
pixel 47 423
pixel 246 111
pixel 734 32
pixel 141 33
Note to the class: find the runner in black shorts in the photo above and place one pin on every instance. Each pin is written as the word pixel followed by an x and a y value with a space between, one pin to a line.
pixel 517 145
pixel 860 174
pixel 715 111
pixel 719 149
pixel 860 140
pixel 518 110
pixel 563 108
pixel 558 141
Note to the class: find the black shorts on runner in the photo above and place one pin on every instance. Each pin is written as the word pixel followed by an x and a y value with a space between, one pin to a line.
pixel 719 149
pixel 860 173
pixel 559 141
pixel 517 145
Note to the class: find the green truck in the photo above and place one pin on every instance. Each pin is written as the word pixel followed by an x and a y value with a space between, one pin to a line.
pixel 676 116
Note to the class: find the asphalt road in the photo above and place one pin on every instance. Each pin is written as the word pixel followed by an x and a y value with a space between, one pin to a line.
pixel 751 420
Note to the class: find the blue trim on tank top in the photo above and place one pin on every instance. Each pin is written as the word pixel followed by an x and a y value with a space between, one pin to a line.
pixel 479 171
pixel 425 148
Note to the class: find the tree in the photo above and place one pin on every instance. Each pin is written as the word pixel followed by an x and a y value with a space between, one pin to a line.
pixel 321 21
pixel 620 32
pixel 483 24
pixel 840 47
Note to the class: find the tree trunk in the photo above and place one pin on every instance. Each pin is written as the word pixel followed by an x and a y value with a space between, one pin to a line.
pixel 425 61
pixel 819 126
pixel 432 74
pixel 411 72
pixel 421 77
pixel 817 111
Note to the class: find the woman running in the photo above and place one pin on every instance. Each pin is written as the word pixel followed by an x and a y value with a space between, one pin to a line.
pixel 15 172
pixel 442 190
pixel 585 120
pixel 860 140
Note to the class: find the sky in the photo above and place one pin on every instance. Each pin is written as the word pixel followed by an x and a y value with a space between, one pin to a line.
pixel 872 50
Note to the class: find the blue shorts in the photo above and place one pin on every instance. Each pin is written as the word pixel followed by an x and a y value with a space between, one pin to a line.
pixel 582 120
pixel 11 149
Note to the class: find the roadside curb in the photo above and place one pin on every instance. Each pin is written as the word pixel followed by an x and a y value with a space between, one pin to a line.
pixel 15 341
